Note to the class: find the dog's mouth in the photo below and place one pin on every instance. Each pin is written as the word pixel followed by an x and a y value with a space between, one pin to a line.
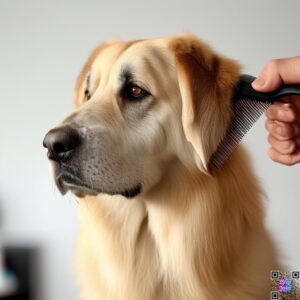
pixel 66 181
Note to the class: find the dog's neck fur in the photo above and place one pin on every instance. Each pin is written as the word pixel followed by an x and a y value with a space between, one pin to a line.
pixel 150 238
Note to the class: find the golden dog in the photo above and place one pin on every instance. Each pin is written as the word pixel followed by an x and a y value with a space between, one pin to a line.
pixel 156 222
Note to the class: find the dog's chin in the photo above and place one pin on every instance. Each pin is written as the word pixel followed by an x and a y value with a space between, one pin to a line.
pixel 77 189
pixel 67 182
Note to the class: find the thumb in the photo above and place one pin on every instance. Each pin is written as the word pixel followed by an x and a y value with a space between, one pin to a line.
pixel 269 79
pixel 259 83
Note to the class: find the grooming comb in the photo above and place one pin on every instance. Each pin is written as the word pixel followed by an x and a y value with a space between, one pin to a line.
pixel 247 106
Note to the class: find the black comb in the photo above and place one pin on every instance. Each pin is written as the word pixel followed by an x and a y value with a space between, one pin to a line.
pixel 247 106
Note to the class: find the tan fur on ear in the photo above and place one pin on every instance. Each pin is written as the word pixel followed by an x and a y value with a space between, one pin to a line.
pixel 206 81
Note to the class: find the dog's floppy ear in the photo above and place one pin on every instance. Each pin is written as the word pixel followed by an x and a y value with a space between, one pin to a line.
pixel 206 82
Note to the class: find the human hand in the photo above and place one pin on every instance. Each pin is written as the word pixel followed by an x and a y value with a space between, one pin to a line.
pixel 283 118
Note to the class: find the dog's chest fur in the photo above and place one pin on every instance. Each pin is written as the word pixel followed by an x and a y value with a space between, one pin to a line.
pixel 192 247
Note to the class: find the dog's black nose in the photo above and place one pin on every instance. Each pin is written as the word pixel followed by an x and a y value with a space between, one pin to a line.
pixel 61 142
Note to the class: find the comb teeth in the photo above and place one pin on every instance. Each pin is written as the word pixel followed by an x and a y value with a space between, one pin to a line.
pixel 245 113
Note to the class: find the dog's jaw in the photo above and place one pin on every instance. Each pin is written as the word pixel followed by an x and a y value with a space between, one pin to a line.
pixel 68 182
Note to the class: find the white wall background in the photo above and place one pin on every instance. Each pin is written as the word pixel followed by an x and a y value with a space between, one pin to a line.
pixel 43 45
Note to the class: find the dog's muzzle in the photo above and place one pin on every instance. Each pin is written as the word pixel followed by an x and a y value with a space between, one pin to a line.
pixel 61 143
pixel 65 147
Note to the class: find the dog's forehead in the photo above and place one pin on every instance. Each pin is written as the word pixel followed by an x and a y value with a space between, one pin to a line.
pixel 136 54
pixel 145 53
pixel 108 55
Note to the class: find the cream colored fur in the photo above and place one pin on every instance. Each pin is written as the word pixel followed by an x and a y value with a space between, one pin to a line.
pixel 193 233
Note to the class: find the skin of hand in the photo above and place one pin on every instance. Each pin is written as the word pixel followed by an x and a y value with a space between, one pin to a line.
pixel 283 117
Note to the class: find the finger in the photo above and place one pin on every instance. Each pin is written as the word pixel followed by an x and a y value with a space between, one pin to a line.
pixel 281 112
pixel 285 131
pixel 292 101
pixel 289 69
pixel 282 131
pixel 269 78
pixel 276 72
pixel 289 159
pixel 295 102
pixel 283 147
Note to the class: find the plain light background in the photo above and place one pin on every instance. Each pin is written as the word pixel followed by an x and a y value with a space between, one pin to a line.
pixel 43 45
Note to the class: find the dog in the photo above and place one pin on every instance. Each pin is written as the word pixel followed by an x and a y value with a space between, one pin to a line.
pixel 156 221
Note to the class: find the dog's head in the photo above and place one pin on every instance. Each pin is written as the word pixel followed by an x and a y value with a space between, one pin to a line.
pixel 141 106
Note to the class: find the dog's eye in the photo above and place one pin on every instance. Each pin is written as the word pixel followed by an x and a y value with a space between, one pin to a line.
pixel 87 94
pixel 134 92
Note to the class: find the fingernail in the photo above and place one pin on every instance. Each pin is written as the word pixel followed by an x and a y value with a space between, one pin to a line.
pixel 258 82
pixel 286 106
